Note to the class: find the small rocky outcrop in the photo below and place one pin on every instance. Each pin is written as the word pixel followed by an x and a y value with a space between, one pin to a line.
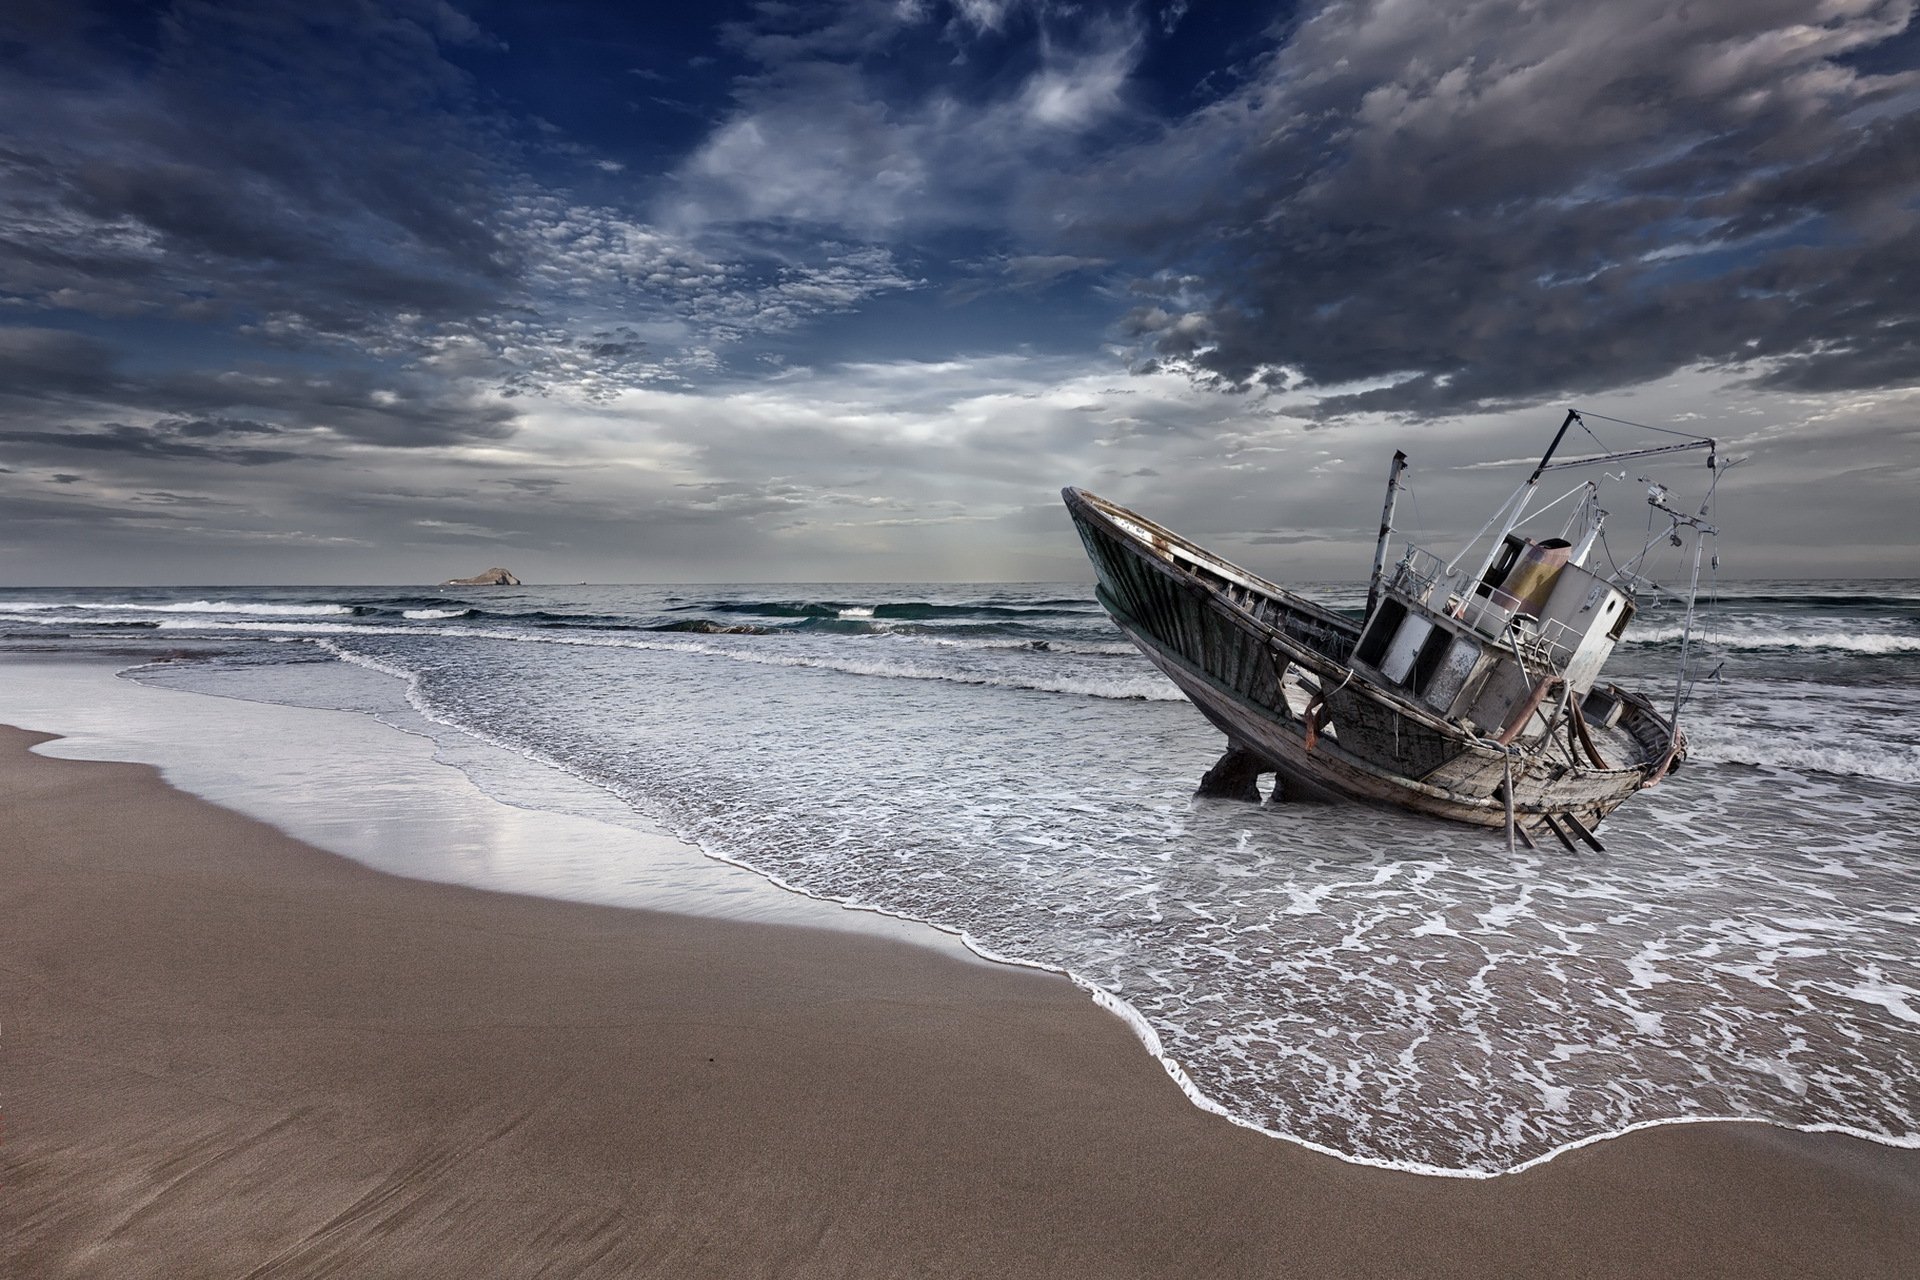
pixel 495 577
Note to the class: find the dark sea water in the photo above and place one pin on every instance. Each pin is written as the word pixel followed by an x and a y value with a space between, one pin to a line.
pixel 997 760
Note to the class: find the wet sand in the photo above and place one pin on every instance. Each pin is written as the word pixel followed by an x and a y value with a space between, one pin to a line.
pixel 223 1052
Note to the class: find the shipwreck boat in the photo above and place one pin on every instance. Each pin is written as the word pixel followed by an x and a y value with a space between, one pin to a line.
pixel 1470 688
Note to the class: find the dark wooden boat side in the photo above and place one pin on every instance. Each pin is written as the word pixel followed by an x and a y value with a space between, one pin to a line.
pixel 1163 593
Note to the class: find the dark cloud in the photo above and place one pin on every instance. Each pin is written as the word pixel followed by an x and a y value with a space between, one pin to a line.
pixel 615 344
pixel 357 404
pixel 44 363
pixel 1482 208
pixel 166 498
pixel 306 202
pixel 149 442
pixel 315 169
pixel 334 180
pixel 201 427
pixel 54 378
pixel 537 485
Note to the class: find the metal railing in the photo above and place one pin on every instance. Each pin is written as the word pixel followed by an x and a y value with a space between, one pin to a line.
pixel 1422 577
pixel 1418 575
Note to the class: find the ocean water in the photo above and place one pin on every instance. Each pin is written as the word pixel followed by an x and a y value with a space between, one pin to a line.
pixel 998 761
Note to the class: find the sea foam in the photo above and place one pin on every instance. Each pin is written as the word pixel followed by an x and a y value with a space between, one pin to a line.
pixel 1393 993
pixel 243 607
pixel 1389 991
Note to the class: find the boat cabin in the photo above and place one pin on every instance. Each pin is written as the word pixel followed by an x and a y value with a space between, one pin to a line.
pixel 1505 652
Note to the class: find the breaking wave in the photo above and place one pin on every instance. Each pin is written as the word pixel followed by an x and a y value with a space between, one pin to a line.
pixel 1883 762
pixel 1144 685
pixel 903 611
pixel 1838 641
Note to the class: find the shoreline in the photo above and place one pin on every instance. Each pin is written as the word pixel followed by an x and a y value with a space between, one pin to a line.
pixel 227 1049
pixel 366 785
pixel 457 800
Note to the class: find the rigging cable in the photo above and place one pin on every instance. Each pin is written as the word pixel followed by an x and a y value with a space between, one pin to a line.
pixel 1589 430
pixel 1713 580
pixel 1419 521
pixel 1665 431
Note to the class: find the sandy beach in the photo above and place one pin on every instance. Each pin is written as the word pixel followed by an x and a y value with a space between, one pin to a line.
pixel 224 1052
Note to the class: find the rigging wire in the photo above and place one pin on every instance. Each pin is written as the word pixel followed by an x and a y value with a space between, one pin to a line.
pixel 1713 579
pixel 1713 616
pixel 1413 500
pixel 1706 626
pixel 1632 576
pixel 1546 507
pixel 1583 512
pixel 1619 573
pixel 1665 431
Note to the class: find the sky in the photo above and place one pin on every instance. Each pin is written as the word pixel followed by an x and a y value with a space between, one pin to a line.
pixel 786 291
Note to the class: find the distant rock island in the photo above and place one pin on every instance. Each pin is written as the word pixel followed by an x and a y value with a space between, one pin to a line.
pixel 495 577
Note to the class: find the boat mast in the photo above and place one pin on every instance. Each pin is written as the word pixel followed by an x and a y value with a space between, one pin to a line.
pixel 1573 416
pixel 1386 527
pixel 1517 504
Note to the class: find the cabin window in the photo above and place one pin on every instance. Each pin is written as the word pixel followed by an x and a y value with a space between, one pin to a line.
pixel 1386 621
pixel 1502 565
pixel 1620 623
pixel 1428 661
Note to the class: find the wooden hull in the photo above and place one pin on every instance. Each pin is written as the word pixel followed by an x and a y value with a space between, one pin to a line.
pixel 1270 670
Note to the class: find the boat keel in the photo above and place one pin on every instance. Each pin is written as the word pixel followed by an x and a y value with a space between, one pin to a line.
pixel 1235 776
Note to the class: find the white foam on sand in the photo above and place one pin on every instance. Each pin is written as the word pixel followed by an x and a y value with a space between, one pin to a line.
pixel 353 785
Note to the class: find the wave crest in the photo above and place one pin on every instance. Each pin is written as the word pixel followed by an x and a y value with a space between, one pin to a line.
pixel 1839 641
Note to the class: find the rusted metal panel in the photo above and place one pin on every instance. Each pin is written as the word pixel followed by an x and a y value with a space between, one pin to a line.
pixel 1461 663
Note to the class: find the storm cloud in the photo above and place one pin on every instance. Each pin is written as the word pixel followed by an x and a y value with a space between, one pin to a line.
pixel 1469 205
pixel 296 169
